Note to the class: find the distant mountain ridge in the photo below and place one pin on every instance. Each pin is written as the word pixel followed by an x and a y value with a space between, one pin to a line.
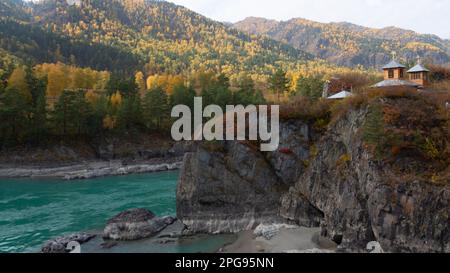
pixel 135 34
pixel 349 44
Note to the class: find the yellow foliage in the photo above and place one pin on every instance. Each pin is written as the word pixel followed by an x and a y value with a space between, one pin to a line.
pixel 109 122
pixel 139 78
pixel 166 82
pixel 17 81
pixel 116 99
pixel 91 96
pixel 344 159
pixel 61 77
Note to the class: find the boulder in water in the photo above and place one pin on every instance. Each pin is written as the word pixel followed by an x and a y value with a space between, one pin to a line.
pixel 61 244
pixel 135 224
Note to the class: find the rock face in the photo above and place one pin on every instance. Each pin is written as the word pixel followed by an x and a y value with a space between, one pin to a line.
pixel 360 204
pixel 231 187
pixel 60 245
pixel 135 224
pixel 288 160
pixel 231 190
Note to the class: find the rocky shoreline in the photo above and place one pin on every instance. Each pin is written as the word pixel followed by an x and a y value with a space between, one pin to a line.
pixel 140 230
pixel 110 157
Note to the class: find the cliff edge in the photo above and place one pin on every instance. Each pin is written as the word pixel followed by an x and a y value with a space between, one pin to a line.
pixel 395 190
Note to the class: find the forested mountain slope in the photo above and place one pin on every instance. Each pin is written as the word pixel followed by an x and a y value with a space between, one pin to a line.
pixel 348 44
pixel 132 34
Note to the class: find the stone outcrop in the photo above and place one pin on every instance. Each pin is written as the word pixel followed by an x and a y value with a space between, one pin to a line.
pixel 288 161
pixel 228 187
pixel 362 202
pixel 61 245
pixel 231 186
pixel 135 224
pixel 230 190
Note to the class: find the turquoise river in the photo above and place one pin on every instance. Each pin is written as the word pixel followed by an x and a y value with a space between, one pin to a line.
pixel 33 211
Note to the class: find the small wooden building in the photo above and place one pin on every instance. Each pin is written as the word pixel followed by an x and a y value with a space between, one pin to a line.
pixel 419 74
pixel 394 71
pixel 395 76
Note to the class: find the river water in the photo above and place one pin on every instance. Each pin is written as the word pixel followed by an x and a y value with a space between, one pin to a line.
pixel 34 211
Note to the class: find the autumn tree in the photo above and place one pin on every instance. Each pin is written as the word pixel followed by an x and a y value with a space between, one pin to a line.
pixel 140 82
pixel 17 81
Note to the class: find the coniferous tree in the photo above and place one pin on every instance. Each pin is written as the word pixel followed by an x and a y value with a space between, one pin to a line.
pixel 310 87
pixel 71 113
pixel 182 95
pixel 38 107
pixel 14 111
pixel 279 83
pixel 373 130
pixel 129 115
pixel 155 108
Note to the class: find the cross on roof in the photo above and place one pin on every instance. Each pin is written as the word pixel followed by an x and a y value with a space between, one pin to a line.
pixel 394 55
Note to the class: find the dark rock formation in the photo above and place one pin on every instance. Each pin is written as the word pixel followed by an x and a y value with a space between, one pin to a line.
pixel 288 160
pixel 230 187
pixel 362 204
pixel 60 245
pixel 135 224
pixel 226 191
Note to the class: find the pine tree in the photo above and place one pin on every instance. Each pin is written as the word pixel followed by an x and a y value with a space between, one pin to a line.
pixel 279 83
pixel 182 95
pixel 14 111
pixel 155 108
pixel 310 87
pixel 373 130
pixel 38 107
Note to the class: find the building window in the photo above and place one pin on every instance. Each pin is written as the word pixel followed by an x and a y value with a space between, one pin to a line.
pixel 391 73
pixel 416 76
pixel 400 73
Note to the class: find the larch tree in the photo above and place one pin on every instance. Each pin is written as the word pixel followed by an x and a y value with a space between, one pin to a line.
pixel 140 82
pixel 17 81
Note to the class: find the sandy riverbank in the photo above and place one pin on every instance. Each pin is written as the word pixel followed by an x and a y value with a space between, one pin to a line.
pixel 287 240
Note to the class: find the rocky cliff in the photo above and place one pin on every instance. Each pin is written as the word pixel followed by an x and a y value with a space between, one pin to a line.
pixel 330 180
pixel 231 186
pixel 361 200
